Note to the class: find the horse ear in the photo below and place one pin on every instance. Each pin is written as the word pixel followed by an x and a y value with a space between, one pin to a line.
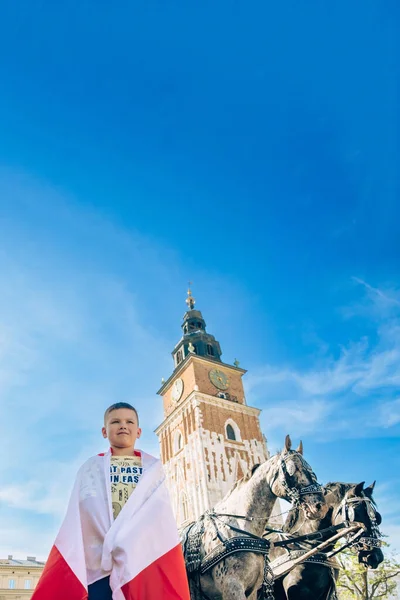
pixel 300 448
pixel 254 469
pixel 359 488
pixel 368 490
pixel 288 443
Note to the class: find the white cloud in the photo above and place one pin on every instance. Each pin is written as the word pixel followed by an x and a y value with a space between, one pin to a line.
pixel 22 539
pixel 354 394
pixel 297 417
pixel 392 531
pixel 370 366
pixel 381 297
pixel 390 413
pixel 387 500
pixel 48 489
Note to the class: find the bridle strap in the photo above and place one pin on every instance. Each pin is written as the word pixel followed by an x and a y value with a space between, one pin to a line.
pixel 295 493
pixel 343 510
pixel 355 500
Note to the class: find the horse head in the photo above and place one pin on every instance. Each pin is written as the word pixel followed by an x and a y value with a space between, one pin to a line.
pixel 358 506
pixel 371 555
pixel 295 481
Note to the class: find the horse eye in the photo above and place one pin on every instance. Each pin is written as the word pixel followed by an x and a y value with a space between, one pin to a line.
pixel 378 518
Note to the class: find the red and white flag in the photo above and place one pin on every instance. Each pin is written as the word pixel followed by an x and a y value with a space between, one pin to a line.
pixel 140 550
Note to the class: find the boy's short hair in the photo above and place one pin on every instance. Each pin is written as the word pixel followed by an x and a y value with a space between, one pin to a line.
pixel 118 405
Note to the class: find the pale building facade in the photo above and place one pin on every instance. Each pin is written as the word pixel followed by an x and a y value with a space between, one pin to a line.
pixel 18 578
pixel 209 437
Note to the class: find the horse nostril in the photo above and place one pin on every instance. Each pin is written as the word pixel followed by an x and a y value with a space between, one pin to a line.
pixel 318 506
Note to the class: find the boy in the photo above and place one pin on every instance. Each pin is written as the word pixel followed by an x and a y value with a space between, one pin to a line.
pixel 119 539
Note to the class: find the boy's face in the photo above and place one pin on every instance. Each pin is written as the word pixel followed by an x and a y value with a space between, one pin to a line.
pixel 121 428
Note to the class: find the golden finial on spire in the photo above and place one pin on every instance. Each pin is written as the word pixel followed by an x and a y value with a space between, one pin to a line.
pixel 190 301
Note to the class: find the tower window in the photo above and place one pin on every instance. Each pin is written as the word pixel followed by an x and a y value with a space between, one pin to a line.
pixel 230 433
pixel 178 441
pixel 179 357
pixel 210 350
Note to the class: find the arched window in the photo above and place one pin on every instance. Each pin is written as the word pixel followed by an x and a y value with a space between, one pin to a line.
pixel 230 432
pixel 178 441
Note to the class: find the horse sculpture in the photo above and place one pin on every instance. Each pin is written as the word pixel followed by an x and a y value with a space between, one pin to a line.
pixel 225 553
pixel 315 579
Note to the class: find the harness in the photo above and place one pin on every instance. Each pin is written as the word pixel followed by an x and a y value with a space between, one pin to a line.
pixel 284 561
pixel 346 510
pixel 197 563
pixel 354 539
pixel 286 468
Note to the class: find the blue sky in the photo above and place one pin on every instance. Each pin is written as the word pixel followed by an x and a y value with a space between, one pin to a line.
pixel 251 148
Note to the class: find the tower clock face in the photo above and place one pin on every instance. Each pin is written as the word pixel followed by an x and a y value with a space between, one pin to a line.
pixel 177 390
pixel 219 379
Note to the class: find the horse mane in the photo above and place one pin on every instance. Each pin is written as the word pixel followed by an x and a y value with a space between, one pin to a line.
pixel 251 472
pixel 340 488
pixel 337 487
pixel 246 477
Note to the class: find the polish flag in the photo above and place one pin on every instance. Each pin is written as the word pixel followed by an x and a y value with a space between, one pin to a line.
pixel 140 550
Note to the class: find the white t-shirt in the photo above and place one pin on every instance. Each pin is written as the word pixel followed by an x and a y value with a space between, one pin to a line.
pixel 125 473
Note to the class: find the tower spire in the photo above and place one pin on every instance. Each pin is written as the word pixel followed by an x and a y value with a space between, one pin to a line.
pixel 190 301
pixel 195 338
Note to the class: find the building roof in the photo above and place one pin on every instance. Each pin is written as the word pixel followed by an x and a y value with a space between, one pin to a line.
pixel 30 561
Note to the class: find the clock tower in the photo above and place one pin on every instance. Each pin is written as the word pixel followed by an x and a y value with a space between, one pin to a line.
pixel 209 436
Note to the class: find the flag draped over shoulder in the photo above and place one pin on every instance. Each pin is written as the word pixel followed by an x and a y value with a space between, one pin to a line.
pixel 140 550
